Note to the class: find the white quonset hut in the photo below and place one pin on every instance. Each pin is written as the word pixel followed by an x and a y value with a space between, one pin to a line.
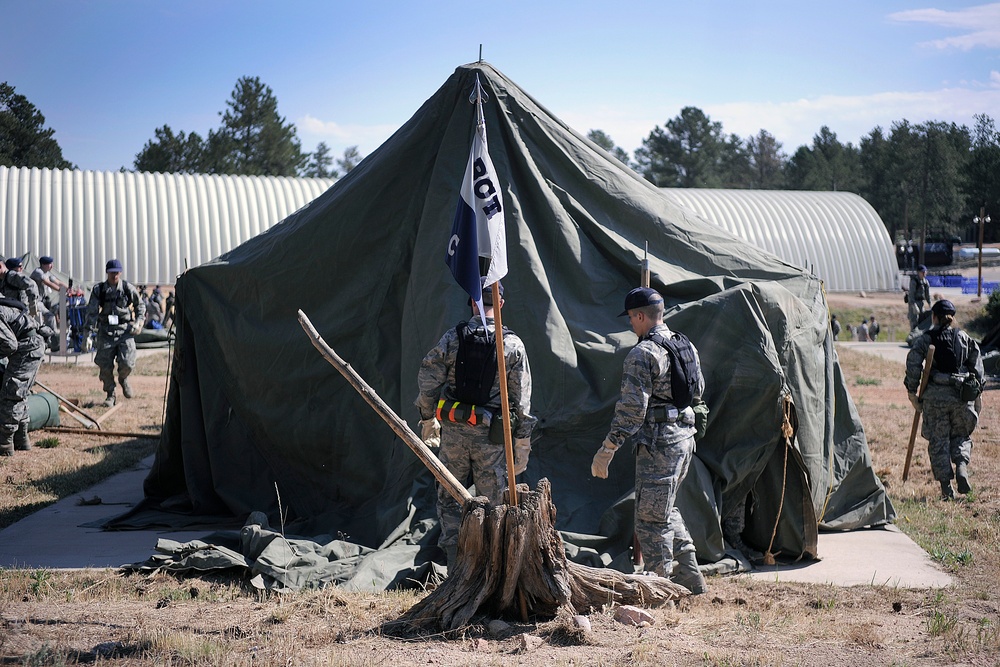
pixel 837 236
pixel 156 224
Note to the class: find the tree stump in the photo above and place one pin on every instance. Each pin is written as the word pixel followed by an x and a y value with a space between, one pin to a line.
pixel 505 551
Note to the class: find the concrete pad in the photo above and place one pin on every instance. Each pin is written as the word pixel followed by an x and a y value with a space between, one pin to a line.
pixel 890 351
pixel 57 537
pixel 876 556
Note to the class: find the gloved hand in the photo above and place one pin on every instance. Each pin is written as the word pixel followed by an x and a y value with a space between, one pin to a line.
pixel 430 432
pixel 700 418
pixel 914 401
pixel 88 343
pixel 136 328
pixel 522 448
pixel 602 459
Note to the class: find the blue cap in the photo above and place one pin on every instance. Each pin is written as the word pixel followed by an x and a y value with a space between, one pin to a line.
pixel 922 268
pixel 46 260
pixel 113 266
pixel 641 297
pixel 14 262
pixel 487 292
pixel 943 307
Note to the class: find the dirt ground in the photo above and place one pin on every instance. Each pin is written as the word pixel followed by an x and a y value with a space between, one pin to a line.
pixel 60 617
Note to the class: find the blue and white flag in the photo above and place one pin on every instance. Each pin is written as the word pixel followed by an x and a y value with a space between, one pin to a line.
pixel 478 228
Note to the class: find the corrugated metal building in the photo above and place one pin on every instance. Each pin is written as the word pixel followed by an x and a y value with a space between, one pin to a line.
pixel 837 236
pixel 155 223
pixel 159 223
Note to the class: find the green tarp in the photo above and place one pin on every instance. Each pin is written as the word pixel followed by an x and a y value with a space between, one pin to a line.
pixel 257 420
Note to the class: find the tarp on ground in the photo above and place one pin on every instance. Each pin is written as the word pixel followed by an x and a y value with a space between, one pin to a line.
pixel 257 420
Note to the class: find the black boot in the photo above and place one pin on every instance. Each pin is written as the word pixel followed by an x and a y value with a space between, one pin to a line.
pixel 962 478
pixel 687 574
pixel 946 492
pixel 21 442
pixel 6 444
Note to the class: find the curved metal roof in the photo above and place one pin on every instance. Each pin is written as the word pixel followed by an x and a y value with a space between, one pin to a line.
pixel 837 236
pixel 157 224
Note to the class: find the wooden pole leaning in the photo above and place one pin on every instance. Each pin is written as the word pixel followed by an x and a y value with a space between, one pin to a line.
pixel 925 377
pixel 423 452
pixel 71 406
pixel 508 443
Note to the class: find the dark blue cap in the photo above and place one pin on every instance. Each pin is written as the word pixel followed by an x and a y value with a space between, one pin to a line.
pixel 14 262
pixel 922 268
pixel 641 297
pixel 487 291
pixel 46 260
pixel 943 307
pixel 113 266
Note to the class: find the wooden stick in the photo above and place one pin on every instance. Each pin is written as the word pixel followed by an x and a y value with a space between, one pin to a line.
pixel 68 404
pixel 109 434
pixel 80 418
pixel 924 378
pixel 508 444
pixel 443 475
pixel 110 411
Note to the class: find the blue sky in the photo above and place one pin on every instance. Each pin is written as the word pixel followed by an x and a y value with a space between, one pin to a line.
pixel 106 74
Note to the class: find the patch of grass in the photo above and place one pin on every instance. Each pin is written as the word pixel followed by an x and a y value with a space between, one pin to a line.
pixel 867 381
pixel 47 443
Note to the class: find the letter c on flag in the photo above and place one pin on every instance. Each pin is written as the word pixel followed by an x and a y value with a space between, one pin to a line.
pixel 453 244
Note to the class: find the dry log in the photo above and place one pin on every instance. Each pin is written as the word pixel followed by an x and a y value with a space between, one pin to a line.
pixel 506 551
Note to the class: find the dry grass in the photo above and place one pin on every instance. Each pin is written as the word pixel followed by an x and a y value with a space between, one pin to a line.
pixel 64 617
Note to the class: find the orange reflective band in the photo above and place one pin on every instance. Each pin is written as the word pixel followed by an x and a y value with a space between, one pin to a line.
pixel 451 413
pixel 437 413
pixel 472 420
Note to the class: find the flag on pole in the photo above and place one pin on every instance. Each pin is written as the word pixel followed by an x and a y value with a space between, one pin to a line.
pixel 478 228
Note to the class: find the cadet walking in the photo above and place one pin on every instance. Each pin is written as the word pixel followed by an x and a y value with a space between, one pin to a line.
pixel 918 295
pixel 950 401
pixel 459 406
pixel 117 311
pixel 663 432
pixel 22 347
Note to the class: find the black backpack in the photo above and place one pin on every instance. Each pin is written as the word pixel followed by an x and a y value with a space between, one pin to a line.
pixel 683 368
pixel 475 364
pixel 945 358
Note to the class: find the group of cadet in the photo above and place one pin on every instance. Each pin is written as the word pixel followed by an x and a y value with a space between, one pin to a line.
pixel 27 324
pixel 460 410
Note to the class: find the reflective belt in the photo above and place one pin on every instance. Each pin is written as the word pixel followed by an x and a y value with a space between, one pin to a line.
pixel 459 412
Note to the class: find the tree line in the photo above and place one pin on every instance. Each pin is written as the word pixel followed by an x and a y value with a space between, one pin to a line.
pixel 927 179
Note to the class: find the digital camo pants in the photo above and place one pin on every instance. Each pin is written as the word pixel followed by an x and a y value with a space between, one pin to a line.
pixel 110 348
pixel 18 377
pixel 470 456
pixel 658 523
pixel 948 426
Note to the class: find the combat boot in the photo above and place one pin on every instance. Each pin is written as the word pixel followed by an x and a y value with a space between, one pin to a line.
pixel 110 400
pixel 687 574
pixel 946 492
pixel 962 478
pixel 21 442
pixel 126 388
pixel 6 444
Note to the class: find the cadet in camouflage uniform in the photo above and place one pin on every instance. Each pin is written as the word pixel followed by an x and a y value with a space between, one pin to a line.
pixel 466 449
pixel 118 312
pixel 21 347
pixel 664 438
pixel 949 420
pixel 19 287
pixel 919 293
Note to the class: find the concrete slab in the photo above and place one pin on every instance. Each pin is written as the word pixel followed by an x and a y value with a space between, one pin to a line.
pixel 890 351
pixel 877 556
pixel 57 537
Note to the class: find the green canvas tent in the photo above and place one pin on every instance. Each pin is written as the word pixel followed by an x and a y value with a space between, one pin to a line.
pixel 256 419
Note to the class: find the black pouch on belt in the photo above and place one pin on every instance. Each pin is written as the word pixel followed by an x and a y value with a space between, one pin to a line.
pixel 496 428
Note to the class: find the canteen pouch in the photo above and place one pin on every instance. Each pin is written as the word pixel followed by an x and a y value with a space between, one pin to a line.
pixel 496 428
pixel 970 388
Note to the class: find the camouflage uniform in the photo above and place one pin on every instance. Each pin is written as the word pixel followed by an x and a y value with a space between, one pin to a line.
pixel 22 348
pixel 948 420
pixel 919 295
pixel 466 450
pixel 114 341
pixel 664 451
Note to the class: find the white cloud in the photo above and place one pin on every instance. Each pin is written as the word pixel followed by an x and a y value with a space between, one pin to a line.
pixel 995 78
pixel 313 130
pixel 981 23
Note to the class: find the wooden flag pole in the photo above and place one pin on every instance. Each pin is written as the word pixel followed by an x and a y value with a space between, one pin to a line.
pixel 508 443
pixel 924 378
